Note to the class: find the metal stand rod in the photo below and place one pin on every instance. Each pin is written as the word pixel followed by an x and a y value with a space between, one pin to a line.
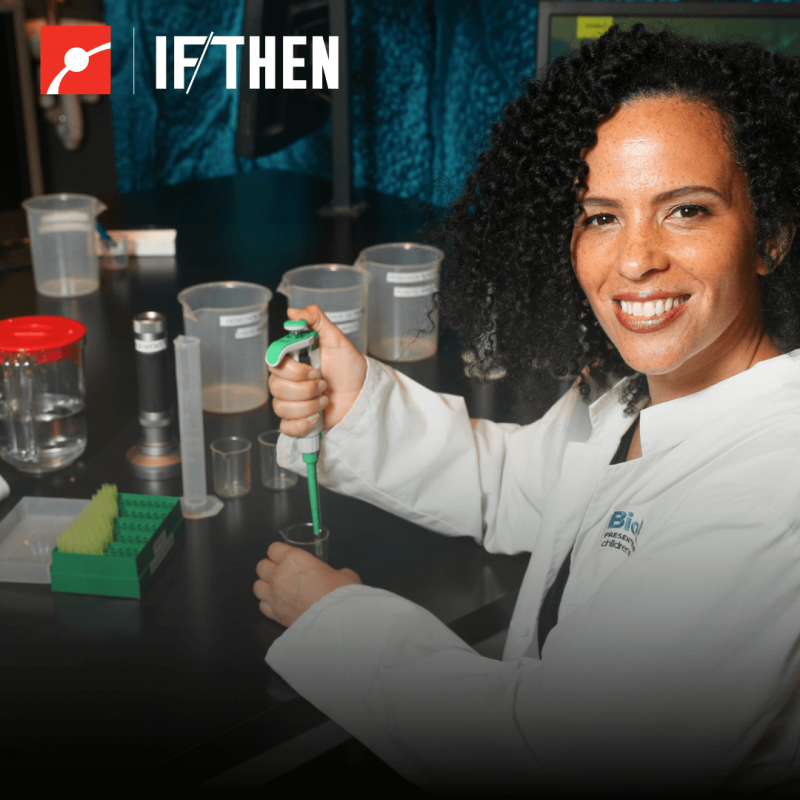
pixel 341 205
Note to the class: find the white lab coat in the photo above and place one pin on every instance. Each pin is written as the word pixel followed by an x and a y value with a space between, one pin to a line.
pixel 676 658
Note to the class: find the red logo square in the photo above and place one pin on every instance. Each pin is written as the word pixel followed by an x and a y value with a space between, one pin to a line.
pixel 76 59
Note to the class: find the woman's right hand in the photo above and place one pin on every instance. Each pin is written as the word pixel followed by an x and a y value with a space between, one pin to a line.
pixel 298 393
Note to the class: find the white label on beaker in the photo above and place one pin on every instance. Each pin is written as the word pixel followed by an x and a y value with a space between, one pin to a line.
pixel 411 277
pixel 414 291
pixel 57 221
pixel 235 320
pixel 64 227
pixel 249 332
pixel 345 316
pixel 349 327
pixel 155 346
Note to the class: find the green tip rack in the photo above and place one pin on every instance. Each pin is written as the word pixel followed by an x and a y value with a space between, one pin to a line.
pixel 301 344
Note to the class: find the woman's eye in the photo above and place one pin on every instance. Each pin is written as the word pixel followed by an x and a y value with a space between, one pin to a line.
pixel 687 212
pixel 600 219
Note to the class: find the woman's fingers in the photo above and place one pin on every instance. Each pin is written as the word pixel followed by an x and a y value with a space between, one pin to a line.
pixel 298 428
pixel 265 569
pixel 292 400
pixel 287 389
pixel 292 580
pixel 294 385
pixel 266 609
pixel 300 409
pixel 298 402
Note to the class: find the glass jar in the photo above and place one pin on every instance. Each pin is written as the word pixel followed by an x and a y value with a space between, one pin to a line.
pixel 42 393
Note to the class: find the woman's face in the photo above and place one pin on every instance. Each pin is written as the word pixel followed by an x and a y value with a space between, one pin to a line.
pixel 665 247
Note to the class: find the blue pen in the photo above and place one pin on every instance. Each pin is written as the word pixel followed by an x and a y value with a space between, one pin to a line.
pixel 104 235
pixel 110 245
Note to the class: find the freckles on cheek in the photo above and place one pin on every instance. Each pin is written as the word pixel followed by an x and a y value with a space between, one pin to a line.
pixel 584 275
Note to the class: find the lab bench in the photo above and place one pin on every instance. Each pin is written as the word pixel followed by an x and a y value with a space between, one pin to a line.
pixel 172 688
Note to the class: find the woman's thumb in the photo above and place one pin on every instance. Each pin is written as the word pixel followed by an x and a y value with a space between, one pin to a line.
pixel 329 333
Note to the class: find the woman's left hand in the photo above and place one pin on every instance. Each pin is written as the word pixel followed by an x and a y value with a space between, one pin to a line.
pixel 292 580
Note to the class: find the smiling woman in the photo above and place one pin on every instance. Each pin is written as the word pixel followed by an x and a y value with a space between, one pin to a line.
pixel 632 226
pixel 664 247
pixel 712 154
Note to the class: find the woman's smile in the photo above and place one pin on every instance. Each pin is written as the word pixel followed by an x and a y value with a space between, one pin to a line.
pixel 648 313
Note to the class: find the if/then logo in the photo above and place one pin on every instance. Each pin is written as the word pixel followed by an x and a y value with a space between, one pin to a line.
pixel 261 68
pixel 75 59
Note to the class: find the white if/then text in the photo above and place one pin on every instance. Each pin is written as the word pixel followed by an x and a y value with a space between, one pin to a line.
pixel 262 66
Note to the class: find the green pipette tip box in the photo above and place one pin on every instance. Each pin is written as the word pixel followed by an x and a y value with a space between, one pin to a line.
pixel 145 533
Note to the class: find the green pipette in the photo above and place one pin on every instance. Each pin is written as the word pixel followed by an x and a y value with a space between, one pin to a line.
pixel 300 341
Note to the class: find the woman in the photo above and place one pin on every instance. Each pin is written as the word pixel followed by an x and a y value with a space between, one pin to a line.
pixel 634 213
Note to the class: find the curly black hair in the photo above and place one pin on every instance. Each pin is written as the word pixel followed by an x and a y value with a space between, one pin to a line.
pixel 511 293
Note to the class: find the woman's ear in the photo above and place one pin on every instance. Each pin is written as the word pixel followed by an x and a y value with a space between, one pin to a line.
pixel 778 248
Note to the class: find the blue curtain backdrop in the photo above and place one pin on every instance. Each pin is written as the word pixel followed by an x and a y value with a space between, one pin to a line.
pixel 427 78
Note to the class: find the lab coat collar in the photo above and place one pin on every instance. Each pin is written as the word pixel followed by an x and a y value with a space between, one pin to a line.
pixel 663 426
pixel 607 413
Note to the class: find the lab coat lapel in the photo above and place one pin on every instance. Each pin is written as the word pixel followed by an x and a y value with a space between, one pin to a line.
pixel 564 513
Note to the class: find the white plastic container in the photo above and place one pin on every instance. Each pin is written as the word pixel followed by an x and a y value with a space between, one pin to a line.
pixel 29 533
pixel 63 233
pixel 404 279
pixel 339 290
pixel 230 320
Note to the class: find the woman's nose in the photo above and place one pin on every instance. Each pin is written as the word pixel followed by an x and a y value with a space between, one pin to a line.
pixel 641 251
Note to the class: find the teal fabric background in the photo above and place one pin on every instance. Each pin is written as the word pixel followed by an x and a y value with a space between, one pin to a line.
pixel 427 79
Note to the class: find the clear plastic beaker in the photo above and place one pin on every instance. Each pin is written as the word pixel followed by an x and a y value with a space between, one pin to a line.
pixel 230 320
pixel 63 234
pixel 301 534
pixel 404 278
pixel 42 393
pixel 231 456
pixel 273 475
pixel 339 290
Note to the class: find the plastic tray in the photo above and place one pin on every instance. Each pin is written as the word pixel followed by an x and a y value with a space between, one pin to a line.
pixel 28 536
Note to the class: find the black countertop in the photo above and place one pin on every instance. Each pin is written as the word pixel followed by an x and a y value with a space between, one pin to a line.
pixel 174 687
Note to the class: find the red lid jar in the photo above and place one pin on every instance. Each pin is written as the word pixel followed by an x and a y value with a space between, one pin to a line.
pixel 45 339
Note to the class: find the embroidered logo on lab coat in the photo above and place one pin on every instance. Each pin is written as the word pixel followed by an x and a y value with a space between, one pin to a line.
pixel 622 531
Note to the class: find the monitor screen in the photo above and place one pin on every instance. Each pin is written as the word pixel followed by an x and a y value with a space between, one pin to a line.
pixel 564 26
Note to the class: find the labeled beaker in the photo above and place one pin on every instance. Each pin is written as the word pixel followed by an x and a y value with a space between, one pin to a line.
pixel 230 320
pixel 403 325
pixel 63 234
pixel 341 291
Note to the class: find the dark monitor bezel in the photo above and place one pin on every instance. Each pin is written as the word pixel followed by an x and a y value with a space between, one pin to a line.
pixel 268 120
pixel 603 8
pixel 27 101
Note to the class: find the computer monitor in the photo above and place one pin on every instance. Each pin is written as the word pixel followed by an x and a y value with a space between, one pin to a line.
pixel 271 119
pixel 21 170
pixel 563 26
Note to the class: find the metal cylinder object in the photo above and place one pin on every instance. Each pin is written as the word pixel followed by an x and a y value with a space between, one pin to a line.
pixel 157 455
